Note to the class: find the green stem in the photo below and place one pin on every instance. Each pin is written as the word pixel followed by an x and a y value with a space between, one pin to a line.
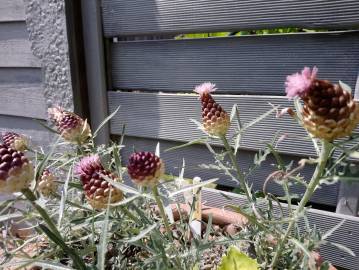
pixel 53 232
pixel 130 215
pixel 31 197
pixel 323 159
pixel 162 211
pixel 242 181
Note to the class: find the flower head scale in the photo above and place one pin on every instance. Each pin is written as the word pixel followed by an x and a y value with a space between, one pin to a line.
pixel 47 185
pixel 93 177
pixel 205 88
pixel 71 126
pixel 145 168
pixel 15 141
pixel 298 84
pixel 329 111
pixel 16 171
pixel 215 120
pixel 87 165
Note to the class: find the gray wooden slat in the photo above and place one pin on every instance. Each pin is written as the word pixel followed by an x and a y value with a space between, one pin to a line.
pixel 136 17
pixel 20 75
pixel 198 154
pixel 17 53
pixel 167 116
pixel 25 100
pixel 38 134
pixel 248 64
pixel 12 10
pixel 346 235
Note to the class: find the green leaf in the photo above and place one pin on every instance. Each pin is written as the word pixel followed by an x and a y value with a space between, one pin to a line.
pixel 44 264
pixel 343 248
pixel 108 118
pixel 196 141
pixel 332 230
pixel 102 247
pixel 186 188
pixel 237 260
pixel 141 234
pixel 10 216
pixel 345 87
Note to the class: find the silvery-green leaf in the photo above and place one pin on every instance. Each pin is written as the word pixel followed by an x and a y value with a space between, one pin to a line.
pixel 345 87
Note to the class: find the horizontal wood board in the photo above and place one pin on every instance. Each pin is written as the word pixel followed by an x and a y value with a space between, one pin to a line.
pixel 25 100
pixel 12 10
pixel 346 235
pixel 168 117
pixel 15 48
pixel 196 155
pixel 136 17
pixel 241 65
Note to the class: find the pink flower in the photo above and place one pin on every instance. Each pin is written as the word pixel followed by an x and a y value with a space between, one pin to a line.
pixel 87 165
pixel 299 83
pixel 205 88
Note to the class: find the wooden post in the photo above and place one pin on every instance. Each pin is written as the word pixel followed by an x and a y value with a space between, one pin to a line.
pixel 95 67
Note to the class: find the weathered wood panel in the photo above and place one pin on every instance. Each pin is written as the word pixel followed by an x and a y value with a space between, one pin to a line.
pixel 25 100
pixel 17 53
pixel 346 235
pixel 137 17
pixel 20 75
pixel 12 10
pixel 250 64
pixel 196 155
pixel 167 116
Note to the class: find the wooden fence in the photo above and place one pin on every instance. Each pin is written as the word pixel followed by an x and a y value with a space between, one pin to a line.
pixel 151 80
pixel 22 97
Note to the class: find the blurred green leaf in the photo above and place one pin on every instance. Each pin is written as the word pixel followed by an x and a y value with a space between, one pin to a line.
pixel 237 260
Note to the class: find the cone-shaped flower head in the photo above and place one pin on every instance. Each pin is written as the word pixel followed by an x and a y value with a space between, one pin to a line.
pixel 215 120
pixel 71 126
pixel 15 141
pixel 47 184
pixel 145 168
pixel 16 171
pixel 329 111
pixel 96 188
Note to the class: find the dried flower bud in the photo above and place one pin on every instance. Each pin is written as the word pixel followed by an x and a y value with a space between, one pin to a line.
pixel 215 120
pixel 47 184
pixel 145 168
pixel 15 141
pixel 329 112
pixel 16 171
pixel 96 188
pixel 71 126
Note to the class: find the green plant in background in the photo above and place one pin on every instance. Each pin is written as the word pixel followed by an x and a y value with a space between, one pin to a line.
pixel 86 215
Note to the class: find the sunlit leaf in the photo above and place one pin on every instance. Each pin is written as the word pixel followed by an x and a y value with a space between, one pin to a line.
pixel 237 260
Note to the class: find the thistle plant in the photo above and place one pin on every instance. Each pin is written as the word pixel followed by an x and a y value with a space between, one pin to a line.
pixel 71 127
pixel 90 216
pixel 15 141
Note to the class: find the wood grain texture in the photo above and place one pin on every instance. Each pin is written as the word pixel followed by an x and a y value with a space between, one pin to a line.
pixel 17 53
pixel 346 235
pixel 25 100
pixel 196 155
pixel 12 10
pixel 167 116
pixel 137 17
pixel 241 65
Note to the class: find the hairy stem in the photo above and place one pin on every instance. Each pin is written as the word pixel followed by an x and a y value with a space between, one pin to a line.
pixel 242 181
pixel 53 232
pixel 323 158
pixel 162 211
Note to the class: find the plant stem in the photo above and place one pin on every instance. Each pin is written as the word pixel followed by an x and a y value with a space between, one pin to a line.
pixel 240 175
pixel 162 211
pixel 53 232
pixel 31 197
pixel 323 158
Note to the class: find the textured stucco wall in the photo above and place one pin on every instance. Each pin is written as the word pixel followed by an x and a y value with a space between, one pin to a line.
pixel 46 24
